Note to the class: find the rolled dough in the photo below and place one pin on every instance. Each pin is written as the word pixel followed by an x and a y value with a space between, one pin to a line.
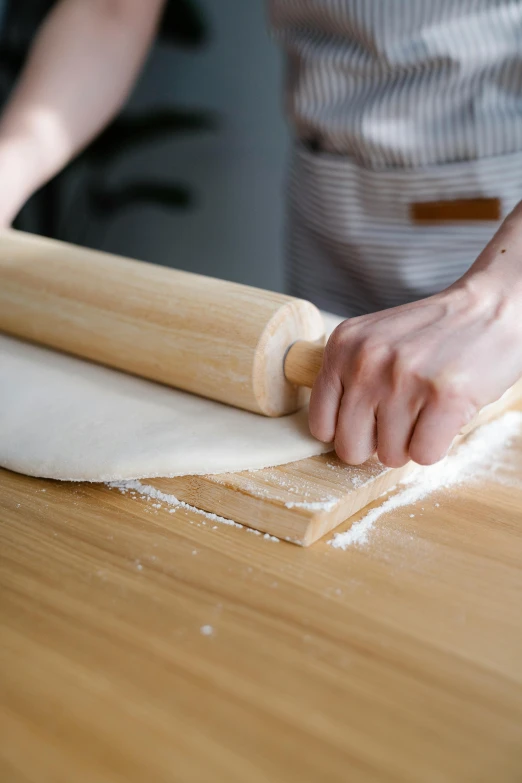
pixel 65 418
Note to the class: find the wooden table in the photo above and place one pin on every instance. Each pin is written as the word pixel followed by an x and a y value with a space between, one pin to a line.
pixel 139 645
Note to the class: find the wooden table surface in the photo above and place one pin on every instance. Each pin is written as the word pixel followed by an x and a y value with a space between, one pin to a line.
pixel 141 645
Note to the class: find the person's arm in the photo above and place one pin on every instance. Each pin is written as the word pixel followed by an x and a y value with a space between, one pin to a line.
pixel 80 69
pixel 403 382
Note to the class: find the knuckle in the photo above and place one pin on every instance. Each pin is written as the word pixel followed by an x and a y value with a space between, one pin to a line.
pixel 452 390
pixel 340 338
pixel 371 355
pixel 375 349
pixel 449 387
pixel 405 365
pixel 353 346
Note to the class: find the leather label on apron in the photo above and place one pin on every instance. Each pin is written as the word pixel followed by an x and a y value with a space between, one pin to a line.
pixel 457 211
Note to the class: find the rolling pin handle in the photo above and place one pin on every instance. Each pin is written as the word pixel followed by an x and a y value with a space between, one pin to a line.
pixel 302 363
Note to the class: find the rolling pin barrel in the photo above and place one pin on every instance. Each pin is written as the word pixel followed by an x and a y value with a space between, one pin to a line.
pixel 217 339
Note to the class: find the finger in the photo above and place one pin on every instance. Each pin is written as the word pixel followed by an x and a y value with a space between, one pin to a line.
pixel 438 424
pixel 396 421
pixel 324 406
pixel 356 432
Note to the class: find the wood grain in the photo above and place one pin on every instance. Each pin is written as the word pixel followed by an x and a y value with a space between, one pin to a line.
pixel 398 662
pixel 299 502
pixel 302 501
pixel 218 339
pixel 303 362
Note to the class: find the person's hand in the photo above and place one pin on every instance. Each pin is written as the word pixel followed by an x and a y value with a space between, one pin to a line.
pixel 403 382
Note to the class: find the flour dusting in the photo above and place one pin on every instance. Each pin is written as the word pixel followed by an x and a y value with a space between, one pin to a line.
pixel 319 505
pixel 171 500
pixel 478 457
pixel 268 537
pixel 146 490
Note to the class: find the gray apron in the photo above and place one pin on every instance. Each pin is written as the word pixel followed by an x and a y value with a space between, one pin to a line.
pixel 407 118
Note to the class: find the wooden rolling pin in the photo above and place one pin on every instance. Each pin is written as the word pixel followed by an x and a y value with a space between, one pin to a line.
pixel 229 342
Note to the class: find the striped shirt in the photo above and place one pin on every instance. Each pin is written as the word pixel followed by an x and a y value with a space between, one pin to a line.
pixel 396 102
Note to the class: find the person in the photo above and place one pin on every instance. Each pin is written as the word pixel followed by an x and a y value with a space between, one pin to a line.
pixel 404 114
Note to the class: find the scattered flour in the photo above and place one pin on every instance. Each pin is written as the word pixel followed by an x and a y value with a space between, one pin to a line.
pixel 320 505
pixel 171 500
pixel 477 457
pixel 206 630
pixel 268 537
pixel 146 490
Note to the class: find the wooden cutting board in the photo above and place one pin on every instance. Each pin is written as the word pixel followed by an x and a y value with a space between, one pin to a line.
pixel 302 501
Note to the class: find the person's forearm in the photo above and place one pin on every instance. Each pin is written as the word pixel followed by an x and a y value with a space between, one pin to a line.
pixel 498 269
pixel 80 70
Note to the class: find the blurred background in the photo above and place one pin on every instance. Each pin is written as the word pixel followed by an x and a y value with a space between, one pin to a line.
pixel 192 173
